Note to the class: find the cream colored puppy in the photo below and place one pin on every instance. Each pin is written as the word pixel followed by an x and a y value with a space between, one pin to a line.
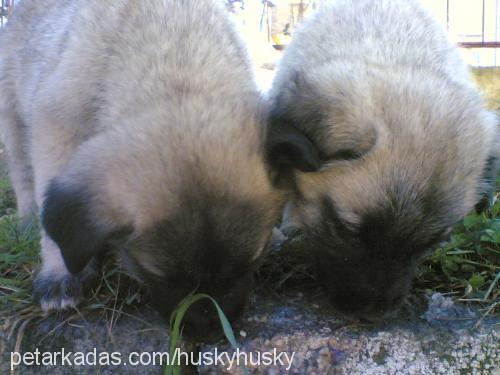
pixel 379 132
pixel 137 123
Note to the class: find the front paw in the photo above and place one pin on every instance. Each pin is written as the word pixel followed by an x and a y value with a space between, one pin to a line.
pixel 62 292
pixel 57 293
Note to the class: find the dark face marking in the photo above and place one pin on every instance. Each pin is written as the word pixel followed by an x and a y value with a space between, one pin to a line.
pixel 367 269
pixel 208 247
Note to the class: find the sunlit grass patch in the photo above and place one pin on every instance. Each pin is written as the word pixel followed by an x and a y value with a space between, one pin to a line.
pixel 468 264
pixel 114 296
pixel 19 256
pixel 7 196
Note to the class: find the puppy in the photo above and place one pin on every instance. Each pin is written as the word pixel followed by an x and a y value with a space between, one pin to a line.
pixel 377 129
pixel 137 124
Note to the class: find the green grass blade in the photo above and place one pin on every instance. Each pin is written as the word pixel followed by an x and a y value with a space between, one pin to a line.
pixel 175 329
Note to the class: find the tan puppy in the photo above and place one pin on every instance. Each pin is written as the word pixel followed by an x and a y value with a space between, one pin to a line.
pixel 380 133
pixel 137 123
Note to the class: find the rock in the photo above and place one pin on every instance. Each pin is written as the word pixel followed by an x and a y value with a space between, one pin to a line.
pixel 319 341
pixel 443 308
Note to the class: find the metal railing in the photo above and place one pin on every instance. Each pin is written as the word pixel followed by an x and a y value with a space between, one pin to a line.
pixel 483 43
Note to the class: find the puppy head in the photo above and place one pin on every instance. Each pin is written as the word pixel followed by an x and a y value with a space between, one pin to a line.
pixel 394 167
pixel 185 223
pixel 367 261
pixel 211 244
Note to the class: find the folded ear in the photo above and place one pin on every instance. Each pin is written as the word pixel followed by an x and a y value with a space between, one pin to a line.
pixel 289 148
pixel 67 218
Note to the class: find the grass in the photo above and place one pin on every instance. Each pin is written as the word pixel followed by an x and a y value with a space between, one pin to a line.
pixel 19 256
pixel 7 197
pixel 468 264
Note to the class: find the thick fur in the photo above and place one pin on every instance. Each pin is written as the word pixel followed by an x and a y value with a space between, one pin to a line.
pixel 400 135
pixel 137 123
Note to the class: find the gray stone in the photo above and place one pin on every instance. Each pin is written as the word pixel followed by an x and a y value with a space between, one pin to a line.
pixel 300 322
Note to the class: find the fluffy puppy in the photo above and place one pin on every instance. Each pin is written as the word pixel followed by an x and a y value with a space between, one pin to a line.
pixel 377 129
pixel 137 123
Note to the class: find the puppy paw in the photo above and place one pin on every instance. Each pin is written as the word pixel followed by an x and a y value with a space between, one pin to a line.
pixel 62 292
pixel 57 293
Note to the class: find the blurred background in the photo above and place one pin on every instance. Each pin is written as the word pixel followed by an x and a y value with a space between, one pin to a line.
pixel 268 26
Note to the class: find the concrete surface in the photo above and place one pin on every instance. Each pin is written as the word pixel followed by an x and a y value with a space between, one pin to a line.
pixel 439 341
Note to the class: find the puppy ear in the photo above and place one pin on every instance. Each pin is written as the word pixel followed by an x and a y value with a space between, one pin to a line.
pixel 67 219
pixel 289 148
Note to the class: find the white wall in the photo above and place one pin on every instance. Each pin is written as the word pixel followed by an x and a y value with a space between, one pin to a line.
pixel 464 24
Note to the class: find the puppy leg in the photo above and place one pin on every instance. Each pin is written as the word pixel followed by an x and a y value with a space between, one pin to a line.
pixel 55 288
pixel 20 171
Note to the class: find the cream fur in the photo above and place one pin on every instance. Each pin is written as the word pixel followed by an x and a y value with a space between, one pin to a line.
pixel 137 102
